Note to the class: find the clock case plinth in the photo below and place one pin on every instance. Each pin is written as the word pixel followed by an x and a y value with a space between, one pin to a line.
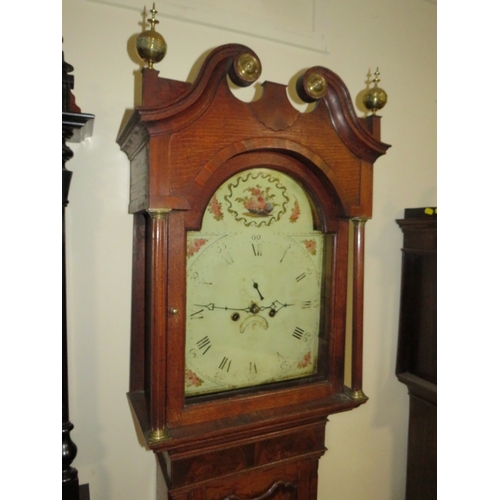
pixel 183 142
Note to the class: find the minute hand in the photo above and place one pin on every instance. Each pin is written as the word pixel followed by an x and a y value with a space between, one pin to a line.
pixel 212 306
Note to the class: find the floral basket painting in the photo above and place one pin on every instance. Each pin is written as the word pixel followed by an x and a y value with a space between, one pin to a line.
pixel 259 202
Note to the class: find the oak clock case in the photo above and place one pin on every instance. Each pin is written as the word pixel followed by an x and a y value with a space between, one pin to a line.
pixel 241 245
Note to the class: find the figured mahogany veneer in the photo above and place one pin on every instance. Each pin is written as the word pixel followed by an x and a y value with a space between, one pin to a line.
pixel 183 143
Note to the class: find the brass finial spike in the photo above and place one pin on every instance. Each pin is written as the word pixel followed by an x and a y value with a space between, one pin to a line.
pixel 375 98
pixel 150 45
pixel 153 20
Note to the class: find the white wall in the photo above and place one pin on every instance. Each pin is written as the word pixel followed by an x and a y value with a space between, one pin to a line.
pixel 366 455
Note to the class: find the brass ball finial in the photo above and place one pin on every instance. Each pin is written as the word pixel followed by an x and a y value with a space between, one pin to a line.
pixel 375 98
pixel 248 68
pixel 150 45
pixel 316 85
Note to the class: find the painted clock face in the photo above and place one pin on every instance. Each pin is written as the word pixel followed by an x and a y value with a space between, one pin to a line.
pixel 254 279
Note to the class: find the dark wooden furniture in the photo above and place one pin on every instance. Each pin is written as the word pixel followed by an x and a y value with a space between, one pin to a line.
pixel 417 349
pixel 186 140
pixel 76 126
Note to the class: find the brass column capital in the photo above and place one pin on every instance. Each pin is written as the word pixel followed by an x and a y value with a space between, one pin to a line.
pixel 159 213
pixel 157 435
pixel 359 220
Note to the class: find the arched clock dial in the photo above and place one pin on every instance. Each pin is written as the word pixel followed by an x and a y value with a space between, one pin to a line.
pixel 254 278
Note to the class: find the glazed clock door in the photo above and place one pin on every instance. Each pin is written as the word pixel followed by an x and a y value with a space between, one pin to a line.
pixel 254 275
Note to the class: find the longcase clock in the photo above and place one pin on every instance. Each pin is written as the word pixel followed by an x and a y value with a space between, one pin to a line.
pixel 241 247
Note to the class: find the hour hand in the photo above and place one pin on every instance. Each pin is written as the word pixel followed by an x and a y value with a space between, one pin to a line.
pixel 256 286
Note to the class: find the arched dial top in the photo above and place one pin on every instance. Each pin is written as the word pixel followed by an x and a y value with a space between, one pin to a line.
pixel 254 277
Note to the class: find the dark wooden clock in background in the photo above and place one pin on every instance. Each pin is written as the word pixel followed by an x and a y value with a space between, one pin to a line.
pixel 241 244
pixel 416 365
pixel 76 127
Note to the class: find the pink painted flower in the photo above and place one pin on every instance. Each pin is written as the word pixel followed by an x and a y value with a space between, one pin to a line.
pixel 192 379
pixel 310 246
pixel 256 203
pixel 295 212
pixel 306 360
pixel 216 208
pixel 195 246
pixel 259 203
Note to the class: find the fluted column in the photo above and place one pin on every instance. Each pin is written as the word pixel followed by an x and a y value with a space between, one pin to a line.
pixel 358 305
pixel 158 321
